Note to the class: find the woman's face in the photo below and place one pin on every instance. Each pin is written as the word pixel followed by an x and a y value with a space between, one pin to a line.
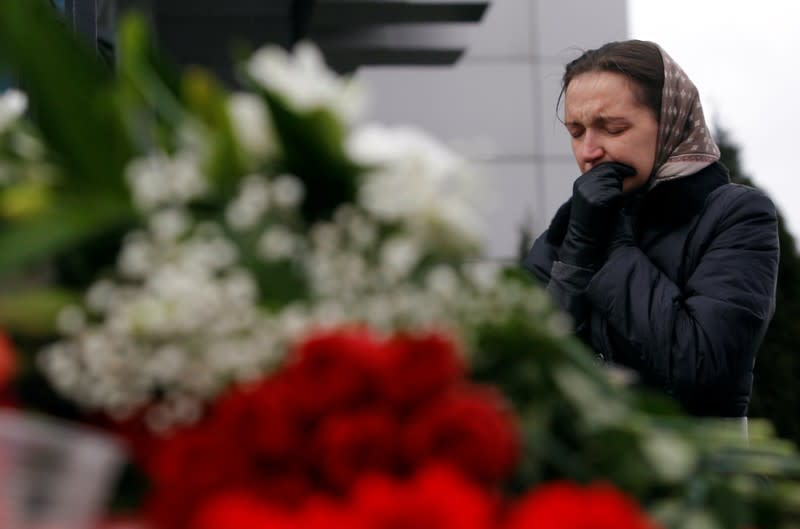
pixel 608 124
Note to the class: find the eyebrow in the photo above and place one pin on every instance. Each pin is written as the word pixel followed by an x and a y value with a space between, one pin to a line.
pixel 599 119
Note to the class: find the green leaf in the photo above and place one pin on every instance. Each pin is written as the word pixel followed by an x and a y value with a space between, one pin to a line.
pixel 148 89
pixel 34 312
pixel 313 147
pixel 206 99
pixel 72 220
pixel 69 91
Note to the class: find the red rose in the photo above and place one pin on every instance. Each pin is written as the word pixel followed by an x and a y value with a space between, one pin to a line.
pixel 334 370
pixel 8 369
pixel 437 498
pixel 564 505
pixel 187 467
pixel 261 418
pixel 471 428
pixel 287 486
pixel 418 367
pixel 348 445
pixel 241 510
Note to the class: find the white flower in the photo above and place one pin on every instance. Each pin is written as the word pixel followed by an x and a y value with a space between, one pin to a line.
pixel 672 457
pixel 71 320
pixel 442 280
pixel 158 180
pixel 399 255
pixel 13 104
pixel 187 179
pixel 101 296
pixel 277 243
pixel 288 191
pixel 252 202
pixel 169 224
pixel 137 256
pixel 252 125
pixel 303 80
pixel 416 180
pixel 483 275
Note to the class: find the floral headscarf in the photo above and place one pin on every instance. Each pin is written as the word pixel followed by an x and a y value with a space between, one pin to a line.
pixel 685 144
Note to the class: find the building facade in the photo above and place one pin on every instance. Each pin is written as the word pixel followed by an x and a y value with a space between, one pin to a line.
pixel 498 104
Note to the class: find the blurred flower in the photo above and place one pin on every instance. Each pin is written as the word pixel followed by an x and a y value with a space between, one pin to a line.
pixel 670 456
pixel 416 180
pixel 159 180
pixel 287 191
pixel 8 360
pixel 252 125
pixel 419 367
pixel 334 370
pixel 437 497
pixel 565 505
pixel 351 444
pixel 469 427
pixel 347 404
pixel 277 243
pixel 303 81
pixel 13 104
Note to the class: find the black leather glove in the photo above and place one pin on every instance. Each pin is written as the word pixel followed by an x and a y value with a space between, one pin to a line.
pixel 596 201
pixel 623 232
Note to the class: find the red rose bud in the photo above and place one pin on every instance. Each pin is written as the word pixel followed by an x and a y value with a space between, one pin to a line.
pixel 470 427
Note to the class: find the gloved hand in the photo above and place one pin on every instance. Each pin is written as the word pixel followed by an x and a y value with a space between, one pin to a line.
pixel 596 200
pixel 622 235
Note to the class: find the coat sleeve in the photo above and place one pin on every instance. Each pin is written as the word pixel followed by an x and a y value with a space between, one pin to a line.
pixel 565 283
pixel 705 334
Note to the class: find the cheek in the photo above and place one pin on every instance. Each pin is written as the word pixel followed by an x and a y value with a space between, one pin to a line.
pixel 635 182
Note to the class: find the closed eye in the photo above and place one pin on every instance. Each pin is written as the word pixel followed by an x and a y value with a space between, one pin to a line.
pixel 575 132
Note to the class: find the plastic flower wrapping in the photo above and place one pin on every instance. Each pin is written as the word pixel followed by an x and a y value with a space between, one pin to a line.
pixel 286 314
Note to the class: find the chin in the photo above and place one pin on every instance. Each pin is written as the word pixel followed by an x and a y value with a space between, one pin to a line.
pixel 632 184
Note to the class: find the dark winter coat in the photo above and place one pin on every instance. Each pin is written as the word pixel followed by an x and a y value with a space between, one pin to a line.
pixel 688 306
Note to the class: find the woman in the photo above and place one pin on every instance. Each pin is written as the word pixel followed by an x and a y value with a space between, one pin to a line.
pixel 664 265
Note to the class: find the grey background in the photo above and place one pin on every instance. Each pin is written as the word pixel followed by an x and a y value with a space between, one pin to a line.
pixel 498 103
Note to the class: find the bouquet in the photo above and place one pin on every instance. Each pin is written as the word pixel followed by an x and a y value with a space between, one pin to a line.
pixel 287 315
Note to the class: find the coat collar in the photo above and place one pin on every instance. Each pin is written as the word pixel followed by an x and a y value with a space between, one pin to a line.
pixel 676 201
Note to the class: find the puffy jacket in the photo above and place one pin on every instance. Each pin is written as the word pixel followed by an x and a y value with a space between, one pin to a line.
pixel 688 306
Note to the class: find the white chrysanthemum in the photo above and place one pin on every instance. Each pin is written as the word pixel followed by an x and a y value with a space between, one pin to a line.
pixel 252 125
pixel 303 80
pixel 13 104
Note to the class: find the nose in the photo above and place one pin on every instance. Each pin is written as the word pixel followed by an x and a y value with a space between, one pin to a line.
pixel 590 151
